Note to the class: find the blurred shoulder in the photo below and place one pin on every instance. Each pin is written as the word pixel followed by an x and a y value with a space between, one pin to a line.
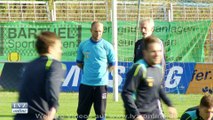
pixel 106 42
pixel 57 64
pixel 139 41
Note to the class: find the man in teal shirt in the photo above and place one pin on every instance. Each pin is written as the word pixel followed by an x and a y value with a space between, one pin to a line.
pixel 95 57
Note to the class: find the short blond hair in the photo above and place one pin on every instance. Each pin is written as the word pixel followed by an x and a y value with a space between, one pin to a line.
pixel 150 20
pixel 150 40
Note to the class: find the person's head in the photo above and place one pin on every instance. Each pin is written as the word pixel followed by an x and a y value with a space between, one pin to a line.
pixel 206 107
pixel 49 43
pixel 152 50
pixel 97 29
pixel 147 27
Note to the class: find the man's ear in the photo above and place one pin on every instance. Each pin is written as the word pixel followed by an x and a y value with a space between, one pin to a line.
pixel 144 52
pixel 49 49
pixel 199 107
pixel 152 29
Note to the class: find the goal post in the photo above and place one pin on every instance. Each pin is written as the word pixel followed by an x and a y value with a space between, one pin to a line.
pixel 115 44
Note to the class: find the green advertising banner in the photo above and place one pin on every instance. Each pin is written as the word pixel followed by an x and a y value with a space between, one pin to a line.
pixel 184 41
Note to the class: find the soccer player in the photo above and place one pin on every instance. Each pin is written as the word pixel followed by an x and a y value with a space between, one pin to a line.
pixel 147 28
pixel 142 88
pixel 42 79
pixel 202 112
pixel 95 57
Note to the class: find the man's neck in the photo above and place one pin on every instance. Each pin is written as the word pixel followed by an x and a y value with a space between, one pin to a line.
pixel 149 63
pixel 47 54
pixel 199 115
pixel 95 40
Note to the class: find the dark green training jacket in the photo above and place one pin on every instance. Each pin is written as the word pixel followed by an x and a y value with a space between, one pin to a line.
pixel 142 89
pixel 192 114
pixel 40 87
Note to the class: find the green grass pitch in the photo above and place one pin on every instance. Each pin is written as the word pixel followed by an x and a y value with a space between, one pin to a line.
pixel 115 110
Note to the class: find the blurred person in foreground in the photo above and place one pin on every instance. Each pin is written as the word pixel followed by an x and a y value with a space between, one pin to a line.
pixel 202 112
pixel 143 87
pixel 147 28
pixel 96 58
pixel 42 79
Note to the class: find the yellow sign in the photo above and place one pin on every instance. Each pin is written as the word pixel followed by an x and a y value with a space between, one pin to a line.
pixel 202 80
pixel 13 57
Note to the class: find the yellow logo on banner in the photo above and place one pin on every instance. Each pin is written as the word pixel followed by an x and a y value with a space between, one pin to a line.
pixel 13 57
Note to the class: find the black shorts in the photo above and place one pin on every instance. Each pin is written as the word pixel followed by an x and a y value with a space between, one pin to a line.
pixel 89 95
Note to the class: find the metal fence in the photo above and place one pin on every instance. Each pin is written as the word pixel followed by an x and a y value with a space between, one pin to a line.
pixel 24 11
pixel 89 10
pixel 81 10
pixel 101 10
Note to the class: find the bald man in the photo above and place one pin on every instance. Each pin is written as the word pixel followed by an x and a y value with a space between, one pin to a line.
pixel 95 57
